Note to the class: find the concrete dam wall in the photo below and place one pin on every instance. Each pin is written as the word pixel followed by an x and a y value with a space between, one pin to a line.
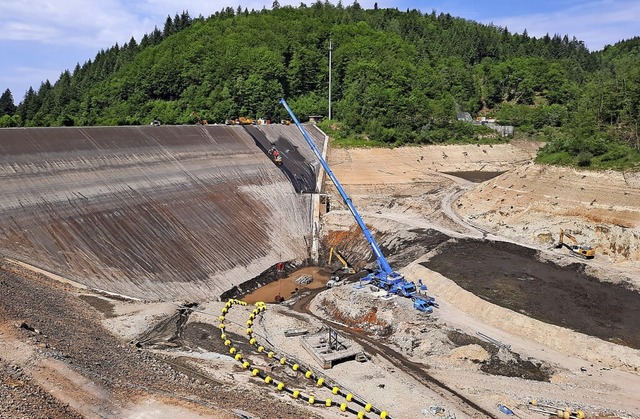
pixel 168 212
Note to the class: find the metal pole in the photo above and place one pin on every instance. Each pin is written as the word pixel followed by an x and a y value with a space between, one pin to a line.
pixel 330 50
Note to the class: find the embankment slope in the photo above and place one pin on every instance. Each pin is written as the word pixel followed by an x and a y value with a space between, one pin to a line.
pixel 169 212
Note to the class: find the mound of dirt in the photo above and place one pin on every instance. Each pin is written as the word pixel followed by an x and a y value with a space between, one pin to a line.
pixel 533 202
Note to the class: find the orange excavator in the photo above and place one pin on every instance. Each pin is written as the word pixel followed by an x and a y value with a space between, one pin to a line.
pixel 581 250
pixel 200 120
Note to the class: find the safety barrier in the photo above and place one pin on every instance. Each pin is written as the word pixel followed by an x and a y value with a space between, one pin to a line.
pixel 295 366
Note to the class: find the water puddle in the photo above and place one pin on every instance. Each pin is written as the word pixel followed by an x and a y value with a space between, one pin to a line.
pixel 287 287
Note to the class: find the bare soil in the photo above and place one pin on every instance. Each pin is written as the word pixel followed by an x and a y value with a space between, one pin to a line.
pixel 512 276
pixel 569 328
pixel 98 374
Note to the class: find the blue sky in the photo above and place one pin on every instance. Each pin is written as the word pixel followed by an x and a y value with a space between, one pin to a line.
pixel 39 39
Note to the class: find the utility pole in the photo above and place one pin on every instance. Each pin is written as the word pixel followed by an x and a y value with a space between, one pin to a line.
pixel 330 50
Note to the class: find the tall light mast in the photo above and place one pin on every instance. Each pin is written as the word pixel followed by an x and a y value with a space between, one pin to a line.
pixel 330 50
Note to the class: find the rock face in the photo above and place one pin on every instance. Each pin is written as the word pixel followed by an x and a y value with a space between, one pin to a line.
pixel 167 212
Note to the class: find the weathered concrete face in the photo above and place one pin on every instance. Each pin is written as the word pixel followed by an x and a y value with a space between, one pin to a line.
pixel 168 212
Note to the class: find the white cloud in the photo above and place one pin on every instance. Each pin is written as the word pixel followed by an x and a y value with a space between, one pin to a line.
pixel 597 23
pixel 56 34
pixel 27 76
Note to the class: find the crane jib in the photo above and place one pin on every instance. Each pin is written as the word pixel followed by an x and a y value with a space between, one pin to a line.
pixel 383 265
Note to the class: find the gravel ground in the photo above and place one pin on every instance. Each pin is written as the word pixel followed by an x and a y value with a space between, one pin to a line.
pixel 99 374
pixel 21 397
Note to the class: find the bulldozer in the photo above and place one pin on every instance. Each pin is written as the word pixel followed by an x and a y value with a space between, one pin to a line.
pixel 581 250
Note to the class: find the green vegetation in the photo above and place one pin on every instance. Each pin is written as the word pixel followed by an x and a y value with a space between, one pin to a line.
pixel 398 78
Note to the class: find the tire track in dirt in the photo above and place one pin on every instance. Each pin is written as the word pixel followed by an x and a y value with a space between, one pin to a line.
pixel 415 370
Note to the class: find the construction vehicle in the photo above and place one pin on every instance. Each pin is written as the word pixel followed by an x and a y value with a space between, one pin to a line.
pixel 242 120
pixel 424 304
pixel 275 155
pixel 384 277
pixel 581 250
pixel 345 270
pixel 345 265
pixel 200 120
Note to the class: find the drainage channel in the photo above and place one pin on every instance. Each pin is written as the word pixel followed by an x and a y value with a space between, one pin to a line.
pixel 295 366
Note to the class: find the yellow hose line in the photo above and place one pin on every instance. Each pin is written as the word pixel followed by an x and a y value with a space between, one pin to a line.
pixel 260 307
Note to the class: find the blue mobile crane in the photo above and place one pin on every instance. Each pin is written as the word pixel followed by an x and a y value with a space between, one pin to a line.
pixel 384 277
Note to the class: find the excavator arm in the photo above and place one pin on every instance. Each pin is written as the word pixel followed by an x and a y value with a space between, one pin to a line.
pixel 581 250
pixel 345 265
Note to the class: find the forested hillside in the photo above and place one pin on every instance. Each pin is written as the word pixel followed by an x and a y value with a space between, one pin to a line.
pixel 398 77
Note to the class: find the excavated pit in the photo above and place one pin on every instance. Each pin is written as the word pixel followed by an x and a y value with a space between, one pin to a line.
pixel 503 361
pixel 514 277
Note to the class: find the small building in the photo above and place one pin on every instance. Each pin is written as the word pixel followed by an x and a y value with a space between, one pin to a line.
pixel 315 118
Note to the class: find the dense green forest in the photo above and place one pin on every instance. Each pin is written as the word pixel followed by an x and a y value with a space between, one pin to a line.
pixel 398 77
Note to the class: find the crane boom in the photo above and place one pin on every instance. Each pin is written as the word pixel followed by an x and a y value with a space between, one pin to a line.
pixel 383 265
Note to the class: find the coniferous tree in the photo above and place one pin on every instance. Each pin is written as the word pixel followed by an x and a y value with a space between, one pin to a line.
pixel 7 106
pixel 397 76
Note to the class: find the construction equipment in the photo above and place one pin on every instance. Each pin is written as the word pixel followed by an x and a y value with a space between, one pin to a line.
pixel 275 155
pixel 345 270
pixel 242 120
pixel 556 411
pixel 384 277
pixel 424 304
pixel 200 120
pixel 581 250
pixel 345 265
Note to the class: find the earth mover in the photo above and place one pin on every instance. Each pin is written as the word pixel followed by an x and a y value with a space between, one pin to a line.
pixel 581 250
pixel 345 265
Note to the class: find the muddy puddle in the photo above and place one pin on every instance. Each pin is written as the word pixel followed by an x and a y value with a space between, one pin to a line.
pixel 512 276
pixel 287 286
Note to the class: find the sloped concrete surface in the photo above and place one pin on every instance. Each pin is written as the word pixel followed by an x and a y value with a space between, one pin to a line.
pixel 166 212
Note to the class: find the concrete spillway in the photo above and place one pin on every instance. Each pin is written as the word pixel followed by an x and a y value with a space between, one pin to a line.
pixel 166 212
